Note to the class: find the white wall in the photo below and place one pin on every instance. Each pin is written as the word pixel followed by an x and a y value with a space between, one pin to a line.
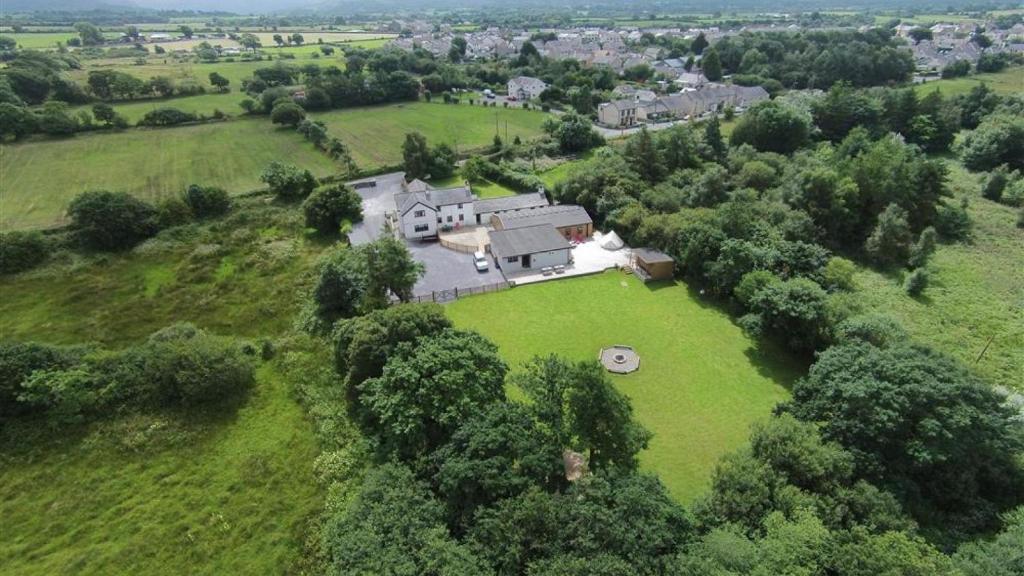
pixel 453 211
pixel 409 222
pixel 537 261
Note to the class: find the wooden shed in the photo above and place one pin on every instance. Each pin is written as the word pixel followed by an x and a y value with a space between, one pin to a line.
pixel 652 265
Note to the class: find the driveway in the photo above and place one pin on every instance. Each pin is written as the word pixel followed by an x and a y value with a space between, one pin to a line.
pixel 377 201
pixel 447 269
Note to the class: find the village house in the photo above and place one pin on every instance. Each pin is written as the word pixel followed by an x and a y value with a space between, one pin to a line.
pixel 618 113
pixel 525 88
pixel 423 211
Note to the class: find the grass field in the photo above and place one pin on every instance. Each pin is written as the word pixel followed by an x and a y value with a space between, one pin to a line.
pixel 375 134
pixel 227 491
pixel 40 177
pixel 976 293
pixel 311 37
pixel 701 383
pixel 201 104
pixel 1009 81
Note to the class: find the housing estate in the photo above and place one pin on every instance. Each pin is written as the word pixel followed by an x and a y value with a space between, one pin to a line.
pixel 691 103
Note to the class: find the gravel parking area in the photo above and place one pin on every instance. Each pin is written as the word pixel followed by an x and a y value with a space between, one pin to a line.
pixel 447 269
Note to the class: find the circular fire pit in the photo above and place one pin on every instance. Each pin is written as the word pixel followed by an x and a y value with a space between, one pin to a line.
pixel 619 359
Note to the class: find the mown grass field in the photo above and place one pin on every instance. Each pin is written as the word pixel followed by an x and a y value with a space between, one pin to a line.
pixel 230 490
pixel 375 134
pixel 204 104
pixel 41 177
pixel 976 293
pixel 701 382
pixel 1009 81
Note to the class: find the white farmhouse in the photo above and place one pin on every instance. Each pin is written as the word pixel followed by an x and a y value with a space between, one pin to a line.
pixel 525 87
pixel 421 213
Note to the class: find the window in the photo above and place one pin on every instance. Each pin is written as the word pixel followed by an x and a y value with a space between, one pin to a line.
pixel 449 218
pixel 419 213
pixel 421 228
pixel 512 259
pixel 462 217
pixel 460 206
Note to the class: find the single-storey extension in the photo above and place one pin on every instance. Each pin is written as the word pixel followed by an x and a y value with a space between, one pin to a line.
pixel 569 220
pixel 487 207
pixel 529 248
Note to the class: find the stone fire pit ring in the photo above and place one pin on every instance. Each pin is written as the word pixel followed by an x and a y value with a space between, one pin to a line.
pixel 619 359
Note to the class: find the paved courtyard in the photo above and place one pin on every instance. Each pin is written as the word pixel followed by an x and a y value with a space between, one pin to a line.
pixel 377 201
pixel 448 269
pixel 588 258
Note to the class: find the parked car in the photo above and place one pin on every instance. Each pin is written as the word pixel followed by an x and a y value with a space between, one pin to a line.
pixel 489 94
pixel 480 261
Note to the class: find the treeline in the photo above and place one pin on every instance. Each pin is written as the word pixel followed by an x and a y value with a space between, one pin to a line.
pixel 816 59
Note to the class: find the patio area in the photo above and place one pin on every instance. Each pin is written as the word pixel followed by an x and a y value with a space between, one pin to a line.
pixel 588 258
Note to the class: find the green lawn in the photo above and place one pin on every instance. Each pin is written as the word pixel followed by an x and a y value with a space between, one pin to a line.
pixel 201 104
pixel 976 293
pixel 1009 81
pixel 163 495
pixel 701 383
pixel 375 134
pixel 42 176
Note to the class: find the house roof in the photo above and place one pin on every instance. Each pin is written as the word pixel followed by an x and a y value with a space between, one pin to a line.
pixel 558 216
pixel 516 202
pixel 529 240
pixel 529 83
pixel 432 198
pixel 651 256
pixel 407 200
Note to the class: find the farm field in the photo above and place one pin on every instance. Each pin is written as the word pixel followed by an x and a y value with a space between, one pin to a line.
pixel 701 382
pixel 1009 81
pixel 39 181
pixel 375 134
pixel 976 292
pixel 311 37
pixel 201 104
pixel 46 40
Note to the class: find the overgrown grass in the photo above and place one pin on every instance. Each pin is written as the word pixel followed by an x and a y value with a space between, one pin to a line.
pixel 228 490
pixel 41 177
pixel 976 294
pixel 701 383
pixel 375 134
pixel 242 276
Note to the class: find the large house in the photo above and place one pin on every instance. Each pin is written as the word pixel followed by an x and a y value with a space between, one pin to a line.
pixel 525 88
pixel 618 113
pixel 692 103
pixel 423 210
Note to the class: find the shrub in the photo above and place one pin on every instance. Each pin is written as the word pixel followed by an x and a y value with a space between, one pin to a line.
pixel 328 206
pixel 752 283
pixel 18 360
pixel 207 201
pixel 995 184
pixel 916 282
pixel 172 212
pixel 20 251
pixel 953 222
pixel 166 117
pixel 111 220
pixel 287 114
pixel 287 181
pixel 838 274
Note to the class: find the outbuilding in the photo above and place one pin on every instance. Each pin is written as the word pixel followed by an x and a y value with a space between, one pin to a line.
pixel 529 248
pixel 651 265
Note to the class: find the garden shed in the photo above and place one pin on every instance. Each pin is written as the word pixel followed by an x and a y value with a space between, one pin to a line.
pixel 651 264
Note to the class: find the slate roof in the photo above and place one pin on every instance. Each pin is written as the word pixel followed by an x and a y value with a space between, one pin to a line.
pixel 531 240
pixel 651 256
pixel 558 216
pixel 433 198
pixel 516 202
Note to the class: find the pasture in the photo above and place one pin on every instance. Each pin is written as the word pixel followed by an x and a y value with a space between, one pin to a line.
pixel 701 383
pixel 42 176
pixel 201 104
pixel 375 134
pixel 975 297
pixel 1009 81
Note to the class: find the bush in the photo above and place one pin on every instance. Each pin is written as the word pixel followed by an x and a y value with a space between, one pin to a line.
pixel 111 220
pixel 19 360
pixel 953 222
pixel 287 114
pixel 287 181
pixel 995 184
pixel 167 117
pixel 916 282
pixel 328 206
pixel 20 251
pixel 172 212
pixel 207 201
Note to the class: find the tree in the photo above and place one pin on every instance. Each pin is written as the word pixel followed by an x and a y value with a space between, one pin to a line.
pixel 916 282
pixel 337 150
pixel 796 311
pixel 221 83
pixel 642 153
pixel 279 40
pixel 699 44
pixel 999 139
pixel 890 242
pixel 923 249
pixel 416 156
pixel 999 556
pixel 580 408
pixel 287 114
pixel 442 163
pixel 574 133
pixel 288 181
pixel 20 251
pixel 339 291
pixel 162 86
pixel 89 34
pixel 111 220
pixel 16 121
pixel 328 206
pixel 297 38
pixel 395 526
pixel 8 44
pixel 54 119
pixel 711 65
pixel 920 423
pixel 499 453
pixel 714 141
pixel 426 391
pixel 391 270
pixel 186 31
pixel 772 127
pixel 250 41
